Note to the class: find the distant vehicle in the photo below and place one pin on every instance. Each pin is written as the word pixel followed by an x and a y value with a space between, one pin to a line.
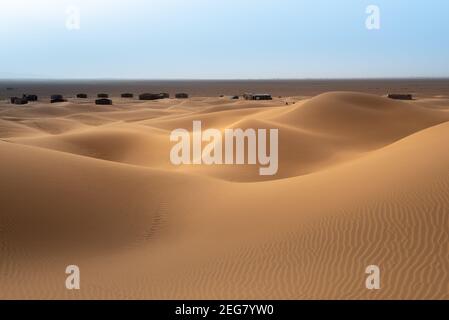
pixel 235 97
pixel 81 96
pixel 127 95
pixel 102 95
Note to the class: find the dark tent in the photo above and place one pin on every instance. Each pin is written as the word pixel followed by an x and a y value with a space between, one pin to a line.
pixel 57 98
pixel 400 96
pixel 181 96
pixel 30 97
pixel 103 102
pixel 149 96
pixel 15 100
pixel 264 96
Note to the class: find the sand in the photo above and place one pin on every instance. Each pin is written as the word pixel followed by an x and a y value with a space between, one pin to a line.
pixel 362 180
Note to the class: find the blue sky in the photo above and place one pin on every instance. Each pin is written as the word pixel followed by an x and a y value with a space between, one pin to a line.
pixel 224 39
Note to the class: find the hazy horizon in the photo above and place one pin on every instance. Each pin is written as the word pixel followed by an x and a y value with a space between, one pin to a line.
pixel 221 79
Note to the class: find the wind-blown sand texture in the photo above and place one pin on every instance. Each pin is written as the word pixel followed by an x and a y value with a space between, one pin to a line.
pixel 362 180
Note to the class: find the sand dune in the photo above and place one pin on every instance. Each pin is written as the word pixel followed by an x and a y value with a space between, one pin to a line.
pixel 362 180
pixel 368 119
pixel 12 128
pixel 314 134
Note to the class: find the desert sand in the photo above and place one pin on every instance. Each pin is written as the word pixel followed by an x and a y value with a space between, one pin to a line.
pixel 362 180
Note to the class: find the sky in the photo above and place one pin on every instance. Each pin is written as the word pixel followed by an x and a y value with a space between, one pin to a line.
pixel 223 39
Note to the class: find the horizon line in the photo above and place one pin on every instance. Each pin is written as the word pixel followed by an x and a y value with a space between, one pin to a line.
pixel 224 79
